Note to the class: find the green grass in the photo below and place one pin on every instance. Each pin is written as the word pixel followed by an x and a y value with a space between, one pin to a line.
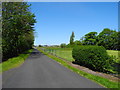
pixel 114 53
pixel 66 53
pixel 100 80
pixel 14 62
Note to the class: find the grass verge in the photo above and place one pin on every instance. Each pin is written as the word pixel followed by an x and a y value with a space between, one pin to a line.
pixel 14 62
pixel 100 80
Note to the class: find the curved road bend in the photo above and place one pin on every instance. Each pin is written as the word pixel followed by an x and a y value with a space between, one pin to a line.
pixel 39 71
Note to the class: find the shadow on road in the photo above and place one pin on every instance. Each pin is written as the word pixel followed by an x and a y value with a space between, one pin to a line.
pixel 35 54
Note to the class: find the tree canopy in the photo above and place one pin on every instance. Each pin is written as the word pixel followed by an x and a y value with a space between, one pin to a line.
pixel 108 38
pixel 17 28
pixel 90 38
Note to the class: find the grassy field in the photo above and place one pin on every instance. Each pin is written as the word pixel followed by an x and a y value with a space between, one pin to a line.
pixel 14 62
pixel 66 53
pixel 100 80
pixel 114 53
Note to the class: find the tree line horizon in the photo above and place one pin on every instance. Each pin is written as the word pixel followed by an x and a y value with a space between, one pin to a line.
pixel 107 38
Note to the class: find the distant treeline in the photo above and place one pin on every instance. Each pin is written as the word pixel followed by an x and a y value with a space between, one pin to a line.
pixel 17 28
pixel 107 38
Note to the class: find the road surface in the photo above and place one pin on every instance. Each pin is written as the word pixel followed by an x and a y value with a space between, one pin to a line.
pixel 39 71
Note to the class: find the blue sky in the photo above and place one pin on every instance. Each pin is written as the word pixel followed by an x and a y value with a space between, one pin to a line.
pixel 57 20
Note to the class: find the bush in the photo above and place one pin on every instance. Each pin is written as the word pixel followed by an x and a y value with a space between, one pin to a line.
pixel 71 46
pixel 63 45
pixel 40 45
pixel 93 57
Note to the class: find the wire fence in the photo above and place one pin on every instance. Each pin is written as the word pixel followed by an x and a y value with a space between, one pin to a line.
pixel 64 54
pixel 50 51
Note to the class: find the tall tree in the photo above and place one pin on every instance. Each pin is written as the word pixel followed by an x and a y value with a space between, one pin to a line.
pixel 72 38
pixel 17 28
pixel 90 38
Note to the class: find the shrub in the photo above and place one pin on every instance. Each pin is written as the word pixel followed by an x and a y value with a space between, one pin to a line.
pixel 71 46
pixel 93 57
pixel 40 45
pixel 63 45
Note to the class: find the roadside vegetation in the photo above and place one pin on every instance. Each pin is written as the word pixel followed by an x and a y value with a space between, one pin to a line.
pixel 17 29
pixel 66 53
pixel 17 34
pixel 15 61
pixel 100 80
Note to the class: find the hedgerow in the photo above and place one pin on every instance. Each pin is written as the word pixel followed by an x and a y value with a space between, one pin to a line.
pixel 93 57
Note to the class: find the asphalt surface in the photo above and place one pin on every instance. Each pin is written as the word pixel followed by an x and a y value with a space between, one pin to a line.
pixel 39 71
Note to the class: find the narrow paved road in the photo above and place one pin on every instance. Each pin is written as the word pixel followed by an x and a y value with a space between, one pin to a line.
pixel 39 71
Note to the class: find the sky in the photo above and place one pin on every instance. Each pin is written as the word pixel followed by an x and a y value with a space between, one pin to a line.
pixel 57 20
pixel 72 0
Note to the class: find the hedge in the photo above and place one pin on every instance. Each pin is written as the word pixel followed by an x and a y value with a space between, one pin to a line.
pixel 93 57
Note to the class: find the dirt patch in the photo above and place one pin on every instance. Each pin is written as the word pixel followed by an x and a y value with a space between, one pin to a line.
pixel 108 76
